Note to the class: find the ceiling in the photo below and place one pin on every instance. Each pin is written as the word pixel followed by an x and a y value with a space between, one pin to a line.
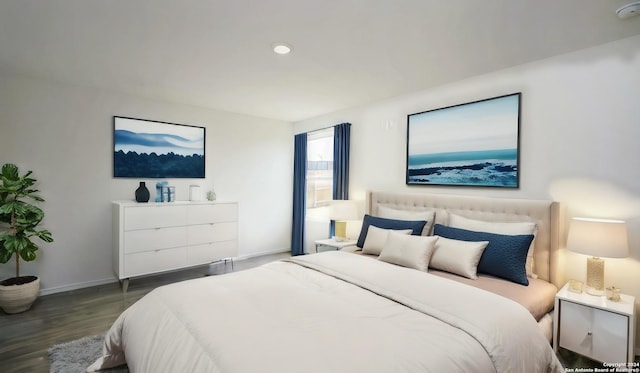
pixel 217 53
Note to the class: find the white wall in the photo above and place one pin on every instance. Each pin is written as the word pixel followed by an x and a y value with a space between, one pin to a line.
pixel 580 130
pixel 64 134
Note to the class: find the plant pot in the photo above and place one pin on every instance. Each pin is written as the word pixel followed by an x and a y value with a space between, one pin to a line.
pixel 17 294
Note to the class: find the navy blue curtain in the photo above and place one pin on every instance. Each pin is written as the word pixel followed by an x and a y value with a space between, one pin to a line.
pixel 341 140
pixel 299 193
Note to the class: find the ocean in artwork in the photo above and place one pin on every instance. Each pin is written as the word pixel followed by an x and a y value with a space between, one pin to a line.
pixel 475 168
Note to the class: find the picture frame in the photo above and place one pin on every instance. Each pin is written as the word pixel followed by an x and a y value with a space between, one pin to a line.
pixel 473 144
pixel 145 148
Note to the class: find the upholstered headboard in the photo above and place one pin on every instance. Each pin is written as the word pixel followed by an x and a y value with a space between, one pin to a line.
pixel 546 215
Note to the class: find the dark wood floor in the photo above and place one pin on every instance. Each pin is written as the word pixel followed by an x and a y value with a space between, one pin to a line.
pixel 63 317
pixel 58 318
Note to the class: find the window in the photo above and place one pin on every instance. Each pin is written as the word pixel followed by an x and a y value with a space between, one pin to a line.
pixel 319 169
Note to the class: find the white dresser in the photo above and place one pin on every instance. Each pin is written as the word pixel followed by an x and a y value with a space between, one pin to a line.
pixel 155 237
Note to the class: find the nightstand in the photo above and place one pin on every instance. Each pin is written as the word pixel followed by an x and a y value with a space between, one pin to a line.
pixel 331 244
pixel 594 326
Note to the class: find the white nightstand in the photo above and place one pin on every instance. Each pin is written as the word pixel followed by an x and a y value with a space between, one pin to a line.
pixel 331 244
pixel 594 326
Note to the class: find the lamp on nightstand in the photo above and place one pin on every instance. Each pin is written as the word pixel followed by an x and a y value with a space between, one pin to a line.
pixel 340 211
pixel 598 238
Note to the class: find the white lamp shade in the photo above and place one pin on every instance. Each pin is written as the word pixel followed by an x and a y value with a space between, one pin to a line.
pixel 341 210
pixel 598 237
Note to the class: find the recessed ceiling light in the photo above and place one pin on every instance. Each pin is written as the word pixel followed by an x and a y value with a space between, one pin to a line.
pixel 629 10
pixel 282 48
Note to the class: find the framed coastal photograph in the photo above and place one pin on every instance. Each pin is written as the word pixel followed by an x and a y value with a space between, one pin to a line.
pixel 472 144
pixel 152 149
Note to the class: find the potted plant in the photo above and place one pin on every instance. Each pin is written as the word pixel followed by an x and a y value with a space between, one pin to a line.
pixel 19 220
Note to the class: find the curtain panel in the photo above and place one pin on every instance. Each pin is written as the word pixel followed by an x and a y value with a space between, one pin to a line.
pixel 341 143
pixel 299 193
pixel 341 138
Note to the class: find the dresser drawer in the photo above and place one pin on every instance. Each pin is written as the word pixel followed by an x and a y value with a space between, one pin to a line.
pixel 598 334
pixel 212 213
pixel 154 261
pixel 207 253
pixel 154 239
pixel 156 216
pixel 207 233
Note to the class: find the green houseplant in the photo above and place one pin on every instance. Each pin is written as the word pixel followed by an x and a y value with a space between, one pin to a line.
pixel 19 220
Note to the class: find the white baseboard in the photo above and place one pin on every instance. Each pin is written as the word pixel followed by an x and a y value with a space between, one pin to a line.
pixel 76 286
pixel 262 253
pixel 81 285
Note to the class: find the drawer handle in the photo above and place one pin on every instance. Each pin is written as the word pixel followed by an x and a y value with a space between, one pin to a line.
pixel 589 333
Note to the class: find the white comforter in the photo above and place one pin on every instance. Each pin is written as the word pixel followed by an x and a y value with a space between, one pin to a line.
pixel 328 312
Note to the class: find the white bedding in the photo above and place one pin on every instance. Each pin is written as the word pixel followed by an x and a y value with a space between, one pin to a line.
pixel 328 312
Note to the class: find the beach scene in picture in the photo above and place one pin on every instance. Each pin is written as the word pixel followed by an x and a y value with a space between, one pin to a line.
pixel 474 144
pixel 149 149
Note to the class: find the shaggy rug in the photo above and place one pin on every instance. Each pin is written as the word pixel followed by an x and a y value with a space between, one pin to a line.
pixel 76 356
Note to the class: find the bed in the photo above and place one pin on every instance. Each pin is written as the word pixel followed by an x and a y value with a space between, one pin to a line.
pixel 340 312
pixel 545 261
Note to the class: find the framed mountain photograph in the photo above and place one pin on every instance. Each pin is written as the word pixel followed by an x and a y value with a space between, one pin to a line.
pixel 152 149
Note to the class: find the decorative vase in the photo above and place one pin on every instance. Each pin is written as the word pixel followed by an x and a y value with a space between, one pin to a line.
pixel 160 186
pixel 211 195
pixel 142 193
pixel 18 294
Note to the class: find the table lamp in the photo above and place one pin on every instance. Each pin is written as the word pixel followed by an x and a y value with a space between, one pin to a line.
pixel 598 238
pixel 340 211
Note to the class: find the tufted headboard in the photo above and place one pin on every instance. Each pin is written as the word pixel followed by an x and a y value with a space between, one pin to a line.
pixel 546 215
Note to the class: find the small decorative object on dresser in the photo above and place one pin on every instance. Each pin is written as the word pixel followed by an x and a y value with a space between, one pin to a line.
pixel 142 193
pixel 171 194
pixel 211 195
pixel 594 326
pixel 195 193
pixel 160 187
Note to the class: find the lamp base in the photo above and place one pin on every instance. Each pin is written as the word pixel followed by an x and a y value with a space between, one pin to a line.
pixel 596 292
pixel 595 276
pixel 341 231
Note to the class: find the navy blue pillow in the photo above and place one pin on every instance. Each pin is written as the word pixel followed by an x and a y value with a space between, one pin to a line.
pixel 505 256
pixel 415 225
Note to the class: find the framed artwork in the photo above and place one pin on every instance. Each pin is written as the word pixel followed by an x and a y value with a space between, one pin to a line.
pixel 151 149
pixel 471 144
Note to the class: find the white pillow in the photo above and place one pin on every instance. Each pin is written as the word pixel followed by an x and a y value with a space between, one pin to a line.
pixel 459 257
pixel 377 237
pixel 429 215
pixel 509 228
pixel 408 251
